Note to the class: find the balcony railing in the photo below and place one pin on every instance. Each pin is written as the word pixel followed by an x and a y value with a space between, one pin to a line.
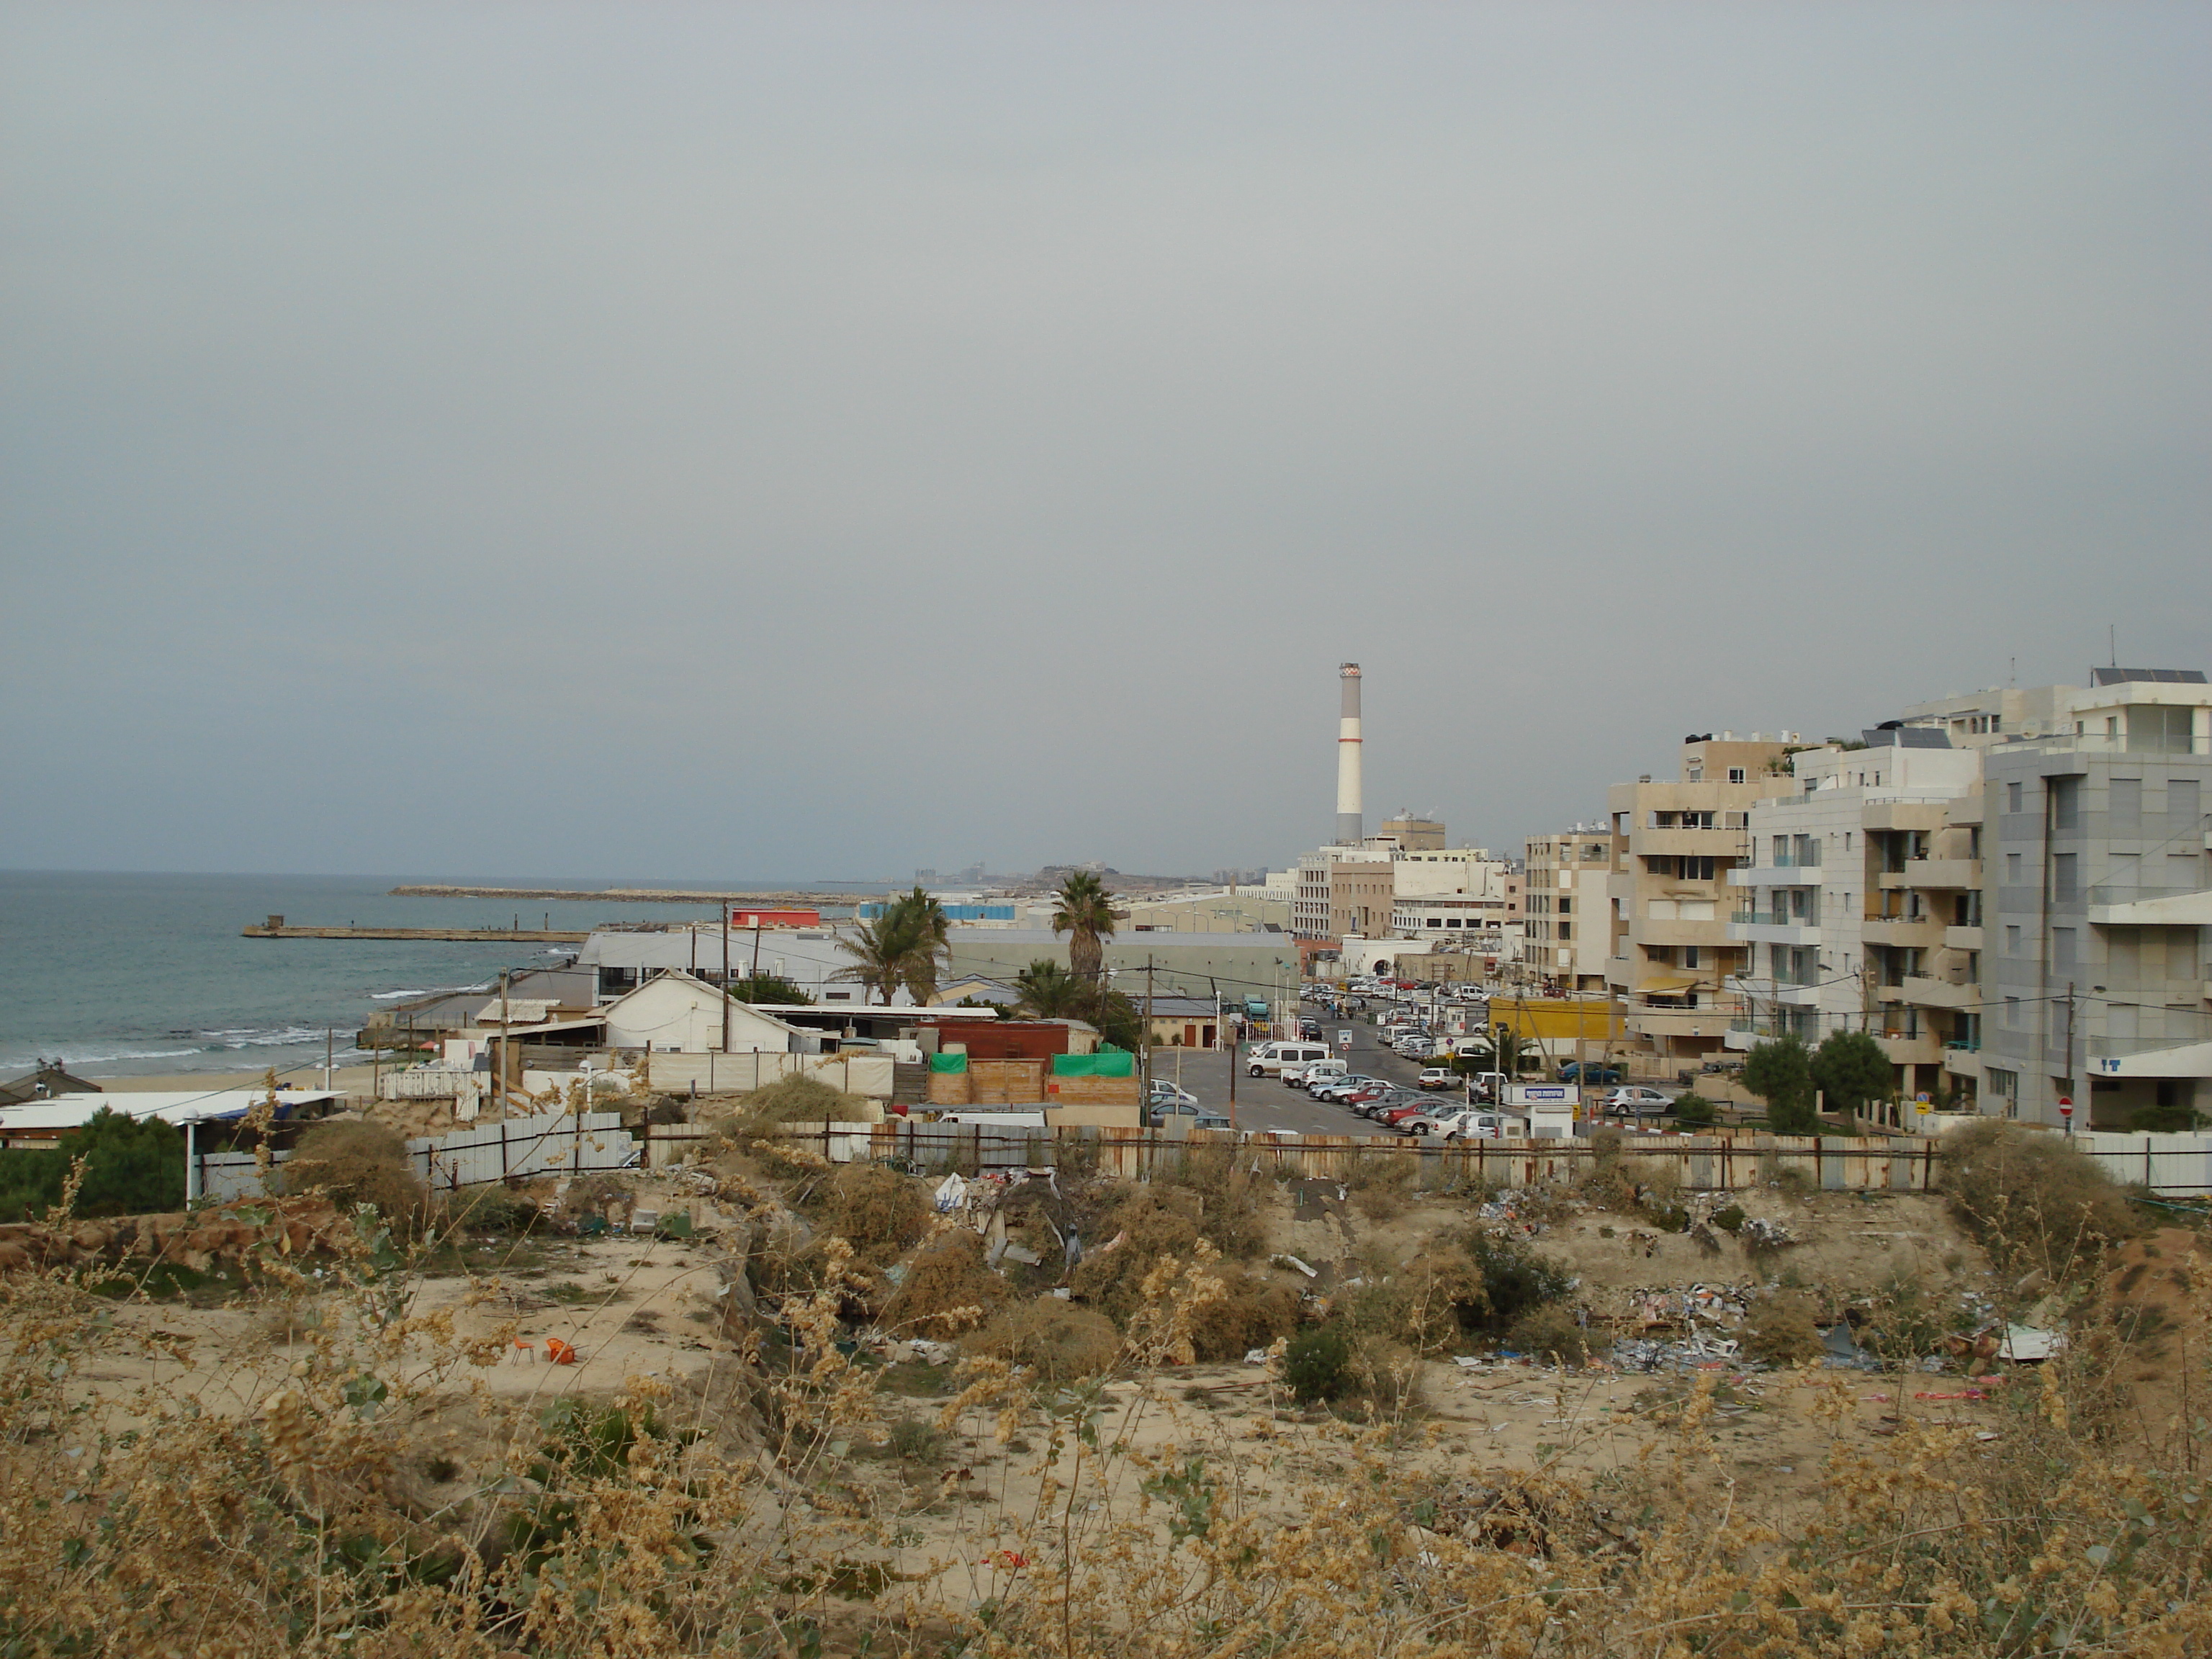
pixel 1771 919
pixel 2117 895
pixel 1965 1045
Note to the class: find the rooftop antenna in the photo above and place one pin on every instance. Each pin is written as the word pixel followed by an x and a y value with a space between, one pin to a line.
pixel 2012 670
pixel 2112 643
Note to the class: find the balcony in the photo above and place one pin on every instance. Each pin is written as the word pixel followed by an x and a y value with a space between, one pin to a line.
pixel 1934 873
pixel 1775 875
pixel 1922 1050
pixel 1962 939
pixel 1922 933
pixel 1940 992
pixel 1773 927
pixel 2150 907
pixel 1698 843
pixel 1789 993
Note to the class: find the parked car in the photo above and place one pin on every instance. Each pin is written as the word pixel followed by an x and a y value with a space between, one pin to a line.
pixel 1399 1116
pixel 1165 1091
pixel 1326 1087
pixel 1387 1107
pixel 1437 1077
pixel 1636 1101
pixel 1270 1058
pixel 1212 1121
pixel 1313 1072
pixel 1572 1073
pixel 1471 1126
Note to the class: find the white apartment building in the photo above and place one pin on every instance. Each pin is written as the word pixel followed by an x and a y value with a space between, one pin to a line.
pixel 1833 938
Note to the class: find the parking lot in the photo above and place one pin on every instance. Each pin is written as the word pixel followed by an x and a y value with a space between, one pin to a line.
pixel 1264 1102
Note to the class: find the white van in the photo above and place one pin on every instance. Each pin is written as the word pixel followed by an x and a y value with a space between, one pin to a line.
pixel 1269 1058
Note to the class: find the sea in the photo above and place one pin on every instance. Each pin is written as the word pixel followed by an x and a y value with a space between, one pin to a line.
pixel 122 976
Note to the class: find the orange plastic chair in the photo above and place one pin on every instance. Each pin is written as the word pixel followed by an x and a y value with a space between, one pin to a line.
pixel 559 1352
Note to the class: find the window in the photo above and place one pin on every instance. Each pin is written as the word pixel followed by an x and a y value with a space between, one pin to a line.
pixel 2155 730
pixel 2182 796
pixel 2065 875
pixel 2012 869
pixel 2066 803
pixel 2004 1083
pixel 1689 955
pixel 1566 906
pixel 2012 797
pixel 2012 938
pixel 2062 950
pixel 1736 774
pixel 1566 930
pixel 2012 1013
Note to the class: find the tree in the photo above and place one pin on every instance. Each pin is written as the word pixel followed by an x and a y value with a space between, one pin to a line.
pixel 1780 1073
pixel 1849 1069
pixel 1048 991
pixel 900 947
pixel 771 989
pixel 1085 912
pixel 1509 1049
pixel 132 1166
pixel 932 931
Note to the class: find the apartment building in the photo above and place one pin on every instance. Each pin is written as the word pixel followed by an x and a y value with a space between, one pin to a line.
pixel 1341 885
pixel 1675 842
pixel 1409 834
pixel 2097 902
pixel 1859 908
pixel 1568 934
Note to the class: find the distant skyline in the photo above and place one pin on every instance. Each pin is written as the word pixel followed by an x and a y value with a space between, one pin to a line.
pixel 848 439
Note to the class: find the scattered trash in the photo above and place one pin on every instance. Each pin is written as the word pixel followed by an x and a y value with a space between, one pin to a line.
pixel 951 1195
pixel 1255 1356
pixel 1022 1253
pixel 1292 1261
pixel 1765 1235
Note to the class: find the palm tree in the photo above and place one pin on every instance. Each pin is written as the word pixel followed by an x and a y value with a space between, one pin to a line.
pixel 1086 913
pixel 902 945
pixel 1048 991
pixel 881 950
pixel 930 930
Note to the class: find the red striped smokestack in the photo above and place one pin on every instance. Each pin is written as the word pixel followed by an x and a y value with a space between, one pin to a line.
pixel 1348 808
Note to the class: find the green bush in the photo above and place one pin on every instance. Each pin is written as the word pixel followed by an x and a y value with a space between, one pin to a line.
pixel 132 1166
pixel 1694 1108
pixel 1317 1365
pixel 1514 1278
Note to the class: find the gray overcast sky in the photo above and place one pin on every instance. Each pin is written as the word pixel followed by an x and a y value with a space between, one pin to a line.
pixel 815 441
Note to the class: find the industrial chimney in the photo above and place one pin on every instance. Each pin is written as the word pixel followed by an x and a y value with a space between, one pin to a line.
pixel 1348 826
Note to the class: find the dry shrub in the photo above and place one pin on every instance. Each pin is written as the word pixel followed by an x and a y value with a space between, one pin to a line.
pixel 355 1162
pixel 1058 1341
pixel 1429 1305
pixel 1380 1183
pixel 947 1289
pixel 1386 1376
pixel 1782 1329
pixel 1250 1313
pixel 1550 1333
pixel 801 1100
pixel 1229 1198
pixel 881 1213
pixel 2033 1200
pixel 1151 1221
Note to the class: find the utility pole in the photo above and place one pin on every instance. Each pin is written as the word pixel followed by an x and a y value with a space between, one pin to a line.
pixel 726 978
pixel 1148 1030
pixel 506 1055
pixel 2067 1098
pixel 1229 1042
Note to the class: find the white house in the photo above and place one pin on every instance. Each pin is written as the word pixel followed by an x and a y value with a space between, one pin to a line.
pixel 673 1013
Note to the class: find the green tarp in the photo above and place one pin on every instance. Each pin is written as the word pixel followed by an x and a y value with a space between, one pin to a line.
pixel 1102 1064
pixel 948 1062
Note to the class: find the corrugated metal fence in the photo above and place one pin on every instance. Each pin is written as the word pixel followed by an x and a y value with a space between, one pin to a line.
pixel 2173 1164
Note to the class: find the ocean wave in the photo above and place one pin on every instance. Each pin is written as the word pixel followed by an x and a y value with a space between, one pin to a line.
pixel 68 1056
pixel 262 1036
pixel 433 991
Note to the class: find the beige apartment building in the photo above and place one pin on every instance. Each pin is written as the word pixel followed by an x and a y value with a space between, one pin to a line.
pixel 1568 937
pixel 1668 900
pixel 1409 834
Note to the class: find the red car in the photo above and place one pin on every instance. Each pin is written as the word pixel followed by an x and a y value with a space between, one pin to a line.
pixel 1398 1115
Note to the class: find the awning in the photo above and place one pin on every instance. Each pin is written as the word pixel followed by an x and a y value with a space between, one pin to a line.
pixel 1667 985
